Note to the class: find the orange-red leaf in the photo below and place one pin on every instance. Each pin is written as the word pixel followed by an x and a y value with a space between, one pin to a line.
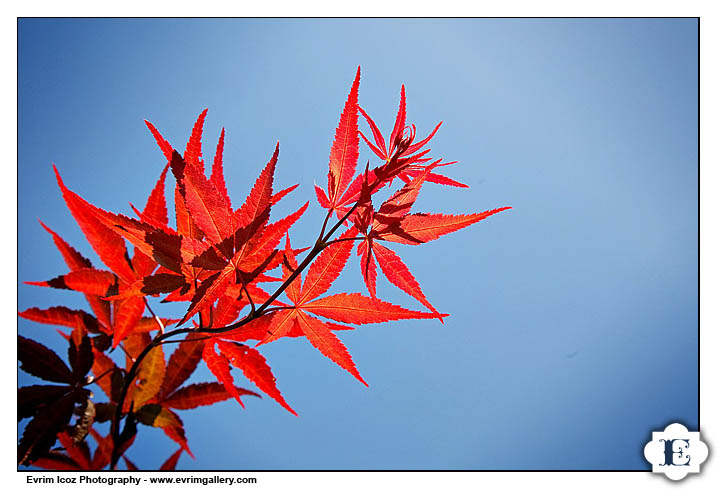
pixel 193 151
pixel 399 204
pixel 271 237
pixel 74 451
pixel 74 261
pixel 142 264
pixel 60 315
pixel 400 121
pixel 127 315
pixel 418 228
pixel 296 330
pixel 327 267
pixel 379 146
pixel 199 394
pixel 210 289
pixel 251 218
pixel 257 329
pixel 164 246
pixel 217 177
pixel 345 149
pixel 161 142
pixel 289 265
pixel 275 325
pixel 328 344
pixel 88 281
pixel 280 195
pixel 108 244
pixel 322 197
pixel 185 225
pixel 368 267
pixel 103 451
pixel 73 258
pixel 171 462
pixel 417 146
pixel 260 196
pixel 205 204
pixel 177 434
pixel 357 309
pixel 437 178
pixel 219 365
pixel 255 368
pixel 156 206
pixel 399 275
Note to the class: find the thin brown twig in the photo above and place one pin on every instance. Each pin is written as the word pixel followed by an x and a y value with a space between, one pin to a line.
pixel 154 315
pixel 95 380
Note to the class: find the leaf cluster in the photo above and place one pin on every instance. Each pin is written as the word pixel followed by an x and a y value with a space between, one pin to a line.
pixel 234 266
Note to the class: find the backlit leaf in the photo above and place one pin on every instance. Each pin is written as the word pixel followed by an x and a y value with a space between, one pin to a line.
pixel 199 394
pixel 254 366
pixel 345 149
pixel 328 344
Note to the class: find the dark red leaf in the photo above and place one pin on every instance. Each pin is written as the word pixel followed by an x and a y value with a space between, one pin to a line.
pixel 41 432
pixel 38 360
pixel 32 398
pixel 55 460
pixel 81 358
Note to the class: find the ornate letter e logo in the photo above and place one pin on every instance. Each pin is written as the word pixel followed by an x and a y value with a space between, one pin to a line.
pixel 676 452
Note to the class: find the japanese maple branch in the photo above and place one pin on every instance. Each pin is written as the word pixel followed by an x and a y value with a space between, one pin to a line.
pixel 320 245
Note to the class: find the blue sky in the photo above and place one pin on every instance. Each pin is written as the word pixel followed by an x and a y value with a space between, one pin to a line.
pixel 574 316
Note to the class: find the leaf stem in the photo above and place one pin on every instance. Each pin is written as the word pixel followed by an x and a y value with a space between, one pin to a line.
pixel 324 226
pixel 154 315
pixel 95 380
pixel 348 239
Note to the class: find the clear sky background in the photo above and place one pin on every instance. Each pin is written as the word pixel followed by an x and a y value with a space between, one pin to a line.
pixel 574 317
